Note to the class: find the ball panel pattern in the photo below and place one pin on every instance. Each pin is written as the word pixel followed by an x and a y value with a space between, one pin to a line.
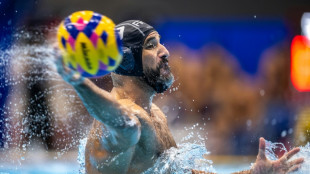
pixel 89 43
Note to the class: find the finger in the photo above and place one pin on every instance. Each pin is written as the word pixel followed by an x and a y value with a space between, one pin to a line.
pixel 296 162
pixel 262 148
pixel 294 168
pixel 292 152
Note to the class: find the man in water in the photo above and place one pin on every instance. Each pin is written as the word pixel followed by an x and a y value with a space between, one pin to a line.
pixel 129 132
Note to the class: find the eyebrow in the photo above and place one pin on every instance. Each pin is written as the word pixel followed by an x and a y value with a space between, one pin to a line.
pixel 149 39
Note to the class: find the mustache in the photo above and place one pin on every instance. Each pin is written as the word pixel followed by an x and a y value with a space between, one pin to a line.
pixel 163 63
pixel 160 78
pixel 164 60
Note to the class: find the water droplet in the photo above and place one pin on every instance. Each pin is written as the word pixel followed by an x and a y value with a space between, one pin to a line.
pixel 6 145
pixel 283 133
pixel 290 131
pixel 262 92
pixel 249 123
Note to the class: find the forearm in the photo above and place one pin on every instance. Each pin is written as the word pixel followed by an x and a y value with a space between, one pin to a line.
pixel 123 126
pixel 101 105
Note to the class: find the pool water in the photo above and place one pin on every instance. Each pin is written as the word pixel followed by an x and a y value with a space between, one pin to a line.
pixel 189 155
pixel 176 161
pixel 53 167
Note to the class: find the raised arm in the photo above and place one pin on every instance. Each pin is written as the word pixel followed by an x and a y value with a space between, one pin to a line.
pixel 100 104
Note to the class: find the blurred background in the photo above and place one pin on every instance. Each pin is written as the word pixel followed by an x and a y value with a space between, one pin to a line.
pixel 242 72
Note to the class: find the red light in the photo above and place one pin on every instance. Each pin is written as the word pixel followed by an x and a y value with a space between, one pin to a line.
pixel 300 63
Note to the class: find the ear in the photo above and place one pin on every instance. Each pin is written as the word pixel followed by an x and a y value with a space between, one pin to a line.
pixel 128 61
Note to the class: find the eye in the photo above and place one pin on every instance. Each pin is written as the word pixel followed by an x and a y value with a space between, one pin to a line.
pixel 151 44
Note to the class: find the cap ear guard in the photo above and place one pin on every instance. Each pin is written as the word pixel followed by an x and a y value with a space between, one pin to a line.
pixel 128 62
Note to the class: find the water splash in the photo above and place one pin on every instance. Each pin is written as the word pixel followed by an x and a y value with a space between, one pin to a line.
pixel 305 153
pixel 81 156
pixel 182 160
pixel 38 110
pixel 179 160
pixel 190 154
pixel 271 148
pixel 27 65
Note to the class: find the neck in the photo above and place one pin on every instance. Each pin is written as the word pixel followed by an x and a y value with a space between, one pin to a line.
pixel 134 89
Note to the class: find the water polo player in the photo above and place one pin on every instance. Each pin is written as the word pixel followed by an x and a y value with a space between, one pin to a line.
pixel 129 132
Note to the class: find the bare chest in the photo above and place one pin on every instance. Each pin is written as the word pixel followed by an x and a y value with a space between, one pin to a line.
pixel 162 134
pixel 155 139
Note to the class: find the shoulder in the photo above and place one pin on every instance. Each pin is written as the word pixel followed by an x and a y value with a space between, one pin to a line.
pixel 156 108
pixel 130 105
pixel 126 102
pixel 159 113
pixel 133 108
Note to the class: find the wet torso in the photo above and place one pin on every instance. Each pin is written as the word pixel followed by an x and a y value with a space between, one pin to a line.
pixel 155 139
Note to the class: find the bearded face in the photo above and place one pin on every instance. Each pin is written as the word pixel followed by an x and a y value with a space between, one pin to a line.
pixel 157 73
pixel 160 78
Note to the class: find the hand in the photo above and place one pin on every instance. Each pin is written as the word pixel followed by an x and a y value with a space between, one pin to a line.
pixel 70 76
pixel 280 166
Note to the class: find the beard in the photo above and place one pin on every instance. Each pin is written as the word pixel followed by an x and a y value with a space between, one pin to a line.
pixel 160 78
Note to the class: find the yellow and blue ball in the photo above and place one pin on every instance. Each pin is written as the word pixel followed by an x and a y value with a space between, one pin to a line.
pixel 89 43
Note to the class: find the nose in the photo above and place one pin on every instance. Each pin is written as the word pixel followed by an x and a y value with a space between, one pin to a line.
pixel 163 52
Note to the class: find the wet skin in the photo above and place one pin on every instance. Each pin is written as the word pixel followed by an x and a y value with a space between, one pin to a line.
pixel 117 150
pixel 103 157
pixel 129 132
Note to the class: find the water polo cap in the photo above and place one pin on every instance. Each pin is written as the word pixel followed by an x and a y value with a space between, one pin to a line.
pixel 133 34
